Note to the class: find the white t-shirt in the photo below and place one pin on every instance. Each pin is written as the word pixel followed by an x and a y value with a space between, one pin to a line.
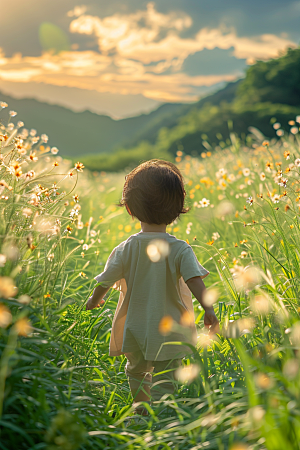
pixel 148 292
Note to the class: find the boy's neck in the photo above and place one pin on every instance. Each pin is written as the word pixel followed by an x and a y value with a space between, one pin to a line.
pixel 152 227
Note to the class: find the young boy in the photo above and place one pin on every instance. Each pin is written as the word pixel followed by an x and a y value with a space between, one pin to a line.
pixel 155 273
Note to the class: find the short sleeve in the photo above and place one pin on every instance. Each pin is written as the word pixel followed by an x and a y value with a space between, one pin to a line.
pixel 113 270
pixel 189 265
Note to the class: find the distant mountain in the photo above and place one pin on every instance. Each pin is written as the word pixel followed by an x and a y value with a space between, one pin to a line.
pixel 80 133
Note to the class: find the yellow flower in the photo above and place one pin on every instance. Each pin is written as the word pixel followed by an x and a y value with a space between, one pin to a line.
pixel 79 166
pixel 187 319
pixel 23 327
pixel 5 316
pixel 7 287
pixel 165 325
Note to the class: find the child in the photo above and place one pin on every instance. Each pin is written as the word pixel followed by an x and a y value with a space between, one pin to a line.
pixel 152 269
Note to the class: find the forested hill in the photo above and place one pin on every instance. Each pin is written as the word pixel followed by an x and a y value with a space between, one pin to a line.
pixel 79 133
pixel 269 92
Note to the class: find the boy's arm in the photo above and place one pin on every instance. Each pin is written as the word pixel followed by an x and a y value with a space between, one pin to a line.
pixel 197 287
pixel 96 297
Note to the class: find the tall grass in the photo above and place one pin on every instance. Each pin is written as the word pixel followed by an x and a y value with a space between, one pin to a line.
pixel 59 389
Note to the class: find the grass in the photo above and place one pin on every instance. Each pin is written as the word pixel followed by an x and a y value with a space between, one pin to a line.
pixel 59 389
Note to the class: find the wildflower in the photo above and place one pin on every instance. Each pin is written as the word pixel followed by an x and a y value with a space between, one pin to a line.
pixel 297 162
pixel 85 247
pixel 261 304
pixel 7 287
pixel 291 226
pixel 157 249
pixel 54 150
pixel 44 138
pixel 283 182
pixel 71 174
pixel 18 173
pixel 82 254
pixel 12 113
pixel 249 200
pixel 33 157
pixel 4 184
pixel 280 132
pixel 24 299
pixel 275 198
pixel 20 124
pixel 2 260
pixel 269 166
pixel 243 254
pixel 50 257
pixel 210 297
pixel 23 327
pixel 265 143
pixel 69 229
pixel 93 233
pixel 187 373
pixel 276 126
pixel 30 174
pixel 204 203
pixel 262 176
pixel 294 130
pixel 287 154
pixel 79 166
pixel 210 242
pixel 215 236
pixel 5 316
pixel 76 198
pixel 246 172
pixel 165 325
pixel 82 275
pixel 73 213
pixel 27 212
pixel 3 105
pixel 55 164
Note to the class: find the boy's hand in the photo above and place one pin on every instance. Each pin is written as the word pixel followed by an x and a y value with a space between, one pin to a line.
pixel 211 321
pixel 96 299
pixel 91 304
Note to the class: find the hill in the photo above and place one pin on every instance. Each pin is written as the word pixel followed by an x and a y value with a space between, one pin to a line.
pixel 269 93
pixel 77 133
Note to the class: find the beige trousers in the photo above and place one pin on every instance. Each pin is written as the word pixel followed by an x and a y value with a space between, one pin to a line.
pixel 144 375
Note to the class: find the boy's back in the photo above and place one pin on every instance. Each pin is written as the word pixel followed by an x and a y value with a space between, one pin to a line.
pixel 147 268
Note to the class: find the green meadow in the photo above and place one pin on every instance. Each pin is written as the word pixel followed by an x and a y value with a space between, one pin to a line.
pixel 59 389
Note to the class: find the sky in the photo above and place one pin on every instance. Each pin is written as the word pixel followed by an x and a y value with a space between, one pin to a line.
pixel 123 58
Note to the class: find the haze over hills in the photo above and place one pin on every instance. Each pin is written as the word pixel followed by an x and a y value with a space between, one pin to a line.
pixel 79 133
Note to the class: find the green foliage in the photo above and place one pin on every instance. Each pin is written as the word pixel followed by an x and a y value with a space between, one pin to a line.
pixel 270 90
pixel 273 81
pixel 59 389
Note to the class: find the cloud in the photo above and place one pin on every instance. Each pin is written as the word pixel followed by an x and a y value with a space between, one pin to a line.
pixel 149 36
pixel 92 71
pixel 146 53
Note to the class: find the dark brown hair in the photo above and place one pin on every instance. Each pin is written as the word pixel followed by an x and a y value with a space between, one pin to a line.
pixel 154 192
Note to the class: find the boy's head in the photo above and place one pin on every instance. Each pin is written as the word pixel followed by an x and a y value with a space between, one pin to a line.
pixel 154 192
